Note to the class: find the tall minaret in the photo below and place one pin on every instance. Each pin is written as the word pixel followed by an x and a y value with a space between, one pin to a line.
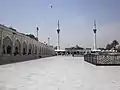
pixel 95 30
pixel 37 32
pixel 58 32
pixel 48 40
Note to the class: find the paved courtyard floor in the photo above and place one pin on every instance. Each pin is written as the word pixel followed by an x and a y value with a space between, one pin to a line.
pixel 59 73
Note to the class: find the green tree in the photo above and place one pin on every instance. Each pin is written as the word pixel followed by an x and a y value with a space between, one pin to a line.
pixel 77 47
pixel 118 49
pixel 12 29
pixel 55 47
pixel 32 36
pixel 108 47
pixel 114 44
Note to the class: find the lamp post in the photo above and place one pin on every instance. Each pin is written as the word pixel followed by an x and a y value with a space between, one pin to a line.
pixel 95 30
pixel 58 32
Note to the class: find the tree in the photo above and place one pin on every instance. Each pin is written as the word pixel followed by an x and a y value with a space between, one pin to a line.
pixel 12 29
pixel 114 43
pixel 108 47
pixel 55 47
pixel 77 47
pixel 118 49
pixel 32 36
pixel 101 48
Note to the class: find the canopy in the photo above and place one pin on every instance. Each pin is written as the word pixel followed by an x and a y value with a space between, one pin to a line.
pixel 96 50
pixel 58 50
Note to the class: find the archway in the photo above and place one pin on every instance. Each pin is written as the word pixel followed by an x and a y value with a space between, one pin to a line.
pixel 78 52
pixel 0 45
pixel 9 49
pixel 35 49
pixel 68 52
pixel 17 47
pixel 4 49
pixel 24 48
pixel 75 52
pixel 7 45
pixel 30 49
pixel 40 50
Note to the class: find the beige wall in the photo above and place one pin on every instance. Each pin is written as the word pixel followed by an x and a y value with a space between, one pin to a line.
pixel 18 39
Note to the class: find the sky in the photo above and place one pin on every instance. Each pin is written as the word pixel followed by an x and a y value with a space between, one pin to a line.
pixel 76 20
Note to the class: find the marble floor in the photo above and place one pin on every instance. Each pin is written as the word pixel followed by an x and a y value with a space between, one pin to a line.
pixel 59 73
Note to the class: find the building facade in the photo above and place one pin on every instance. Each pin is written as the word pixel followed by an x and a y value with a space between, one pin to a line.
pixel 13 43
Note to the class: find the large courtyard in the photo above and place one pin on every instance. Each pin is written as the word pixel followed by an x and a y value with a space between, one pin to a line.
pixel 59 73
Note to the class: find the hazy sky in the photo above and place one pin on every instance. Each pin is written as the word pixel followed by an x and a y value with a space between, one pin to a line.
pixel 76 19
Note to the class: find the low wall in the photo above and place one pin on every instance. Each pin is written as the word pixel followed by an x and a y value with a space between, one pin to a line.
pixel 14 59
pixel 103 59
pixel 78 55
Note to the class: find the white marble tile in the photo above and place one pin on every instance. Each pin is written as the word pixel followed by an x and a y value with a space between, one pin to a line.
pixel 59 73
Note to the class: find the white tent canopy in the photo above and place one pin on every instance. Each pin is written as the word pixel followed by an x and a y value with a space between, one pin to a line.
pixel 96 50
pixel 60 50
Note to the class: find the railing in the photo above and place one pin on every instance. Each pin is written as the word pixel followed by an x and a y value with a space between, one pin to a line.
pixel 103 59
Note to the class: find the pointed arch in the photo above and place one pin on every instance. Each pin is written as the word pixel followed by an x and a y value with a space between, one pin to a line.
pixel 40 50
pixel 7 45
pixel 30 49
pixel 17 47
pixel 24 48
pixel 35 49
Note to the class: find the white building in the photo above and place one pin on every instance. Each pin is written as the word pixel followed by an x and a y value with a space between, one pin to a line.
pixel 13 43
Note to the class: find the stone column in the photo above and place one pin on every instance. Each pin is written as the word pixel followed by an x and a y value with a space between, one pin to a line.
pixel 41 50
pixel 27 47
pixel 13 43
pixel 21 51
pixel 32 49
pixel 1 42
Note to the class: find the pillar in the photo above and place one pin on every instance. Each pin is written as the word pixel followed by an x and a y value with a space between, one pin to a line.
pixel 21 52
pixel 1 42
pixel 13 44
pixel 95 43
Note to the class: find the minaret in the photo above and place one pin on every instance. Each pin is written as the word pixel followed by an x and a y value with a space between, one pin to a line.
pixel 58 32
pixel 37 32
pixel 95 30
pixel 48 40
